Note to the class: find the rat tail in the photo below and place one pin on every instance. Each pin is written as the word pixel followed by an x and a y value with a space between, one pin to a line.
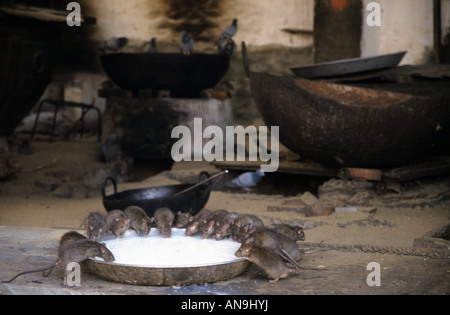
pixel 289 259
pixel 31 271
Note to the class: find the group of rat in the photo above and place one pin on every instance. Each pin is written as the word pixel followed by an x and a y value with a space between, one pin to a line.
pixel 273 249
pixel 224 43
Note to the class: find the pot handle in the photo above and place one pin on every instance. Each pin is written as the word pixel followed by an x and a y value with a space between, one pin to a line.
pixel 104 185
pixel 199 178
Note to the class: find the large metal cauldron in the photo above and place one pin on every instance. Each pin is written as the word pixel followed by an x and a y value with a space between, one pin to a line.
pixel 342 125
pixel 25 67
pixel 184 76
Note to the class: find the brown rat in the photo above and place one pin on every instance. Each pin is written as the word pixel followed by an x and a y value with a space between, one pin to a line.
pixel 183 219
pixel 66 240
pixel 280 243
pixel 225 227
pixel 268 260
pixel 164 219
pixel 139 221
pixel 82 250
pixel 212 222
pixel 245 219
pixel 196 222
pixel 294 232
pixel 243 224
pixel 95 226
pixel 73 247
pixel 239 234
pixel 117 223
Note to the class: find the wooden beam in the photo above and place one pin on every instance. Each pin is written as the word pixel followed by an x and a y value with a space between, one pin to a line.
pixel 42 14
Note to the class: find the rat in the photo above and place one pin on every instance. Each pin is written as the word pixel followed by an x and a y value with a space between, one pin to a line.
pixel 268 260
pixel 239 234
pixel 211 222
pixel 280 243
pixel 66 240
pixel 73 247
pixel 95 226
pixel 183 219
pixel 225 227
pixel 245 219
pixel 196 222
pixel 164 219
pixel 294 232
pixel 139 221
pixel 117 223
pixel 82 250
pixel 243 224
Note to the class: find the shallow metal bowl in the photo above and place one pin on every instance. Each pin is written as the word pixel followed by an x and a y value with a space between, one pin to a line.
pixel 165 276
pixel 180 260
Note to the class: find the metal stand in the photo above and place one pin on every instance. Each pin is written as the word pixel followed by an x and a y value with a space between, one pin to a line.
pixel 57 104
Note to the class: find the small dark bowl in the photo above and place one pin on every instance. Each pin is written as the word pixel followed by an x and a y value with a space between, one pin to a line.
pixel 152 198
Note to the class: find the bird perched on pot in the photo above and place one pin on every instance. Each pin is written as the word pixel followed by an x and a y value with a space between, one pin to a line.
pixel 247 181
pixel 186 43
pixel 228 33
pixel 151 48
pixel 109 148
pixel 114 44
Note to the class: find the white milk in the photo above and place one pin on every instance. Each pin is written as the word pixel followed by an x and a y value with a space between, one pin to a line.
pixel 177 251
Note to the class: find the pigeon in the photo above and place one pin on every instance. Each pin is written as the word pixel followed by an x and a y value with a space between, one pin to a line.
pixel 151 48
pixel 228 33
pixel 186 44
pixel 114 43
pixel 109 148
pixel 247 180
pixel 228 48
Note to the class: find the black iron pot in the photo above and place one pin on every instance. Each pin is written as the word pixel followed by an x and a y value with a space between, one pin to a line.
pixel 184 76
pixel 152 198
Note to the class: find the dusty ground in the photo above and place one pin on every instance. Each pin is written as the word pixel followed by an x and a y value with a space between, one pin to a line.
pixel 383 227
